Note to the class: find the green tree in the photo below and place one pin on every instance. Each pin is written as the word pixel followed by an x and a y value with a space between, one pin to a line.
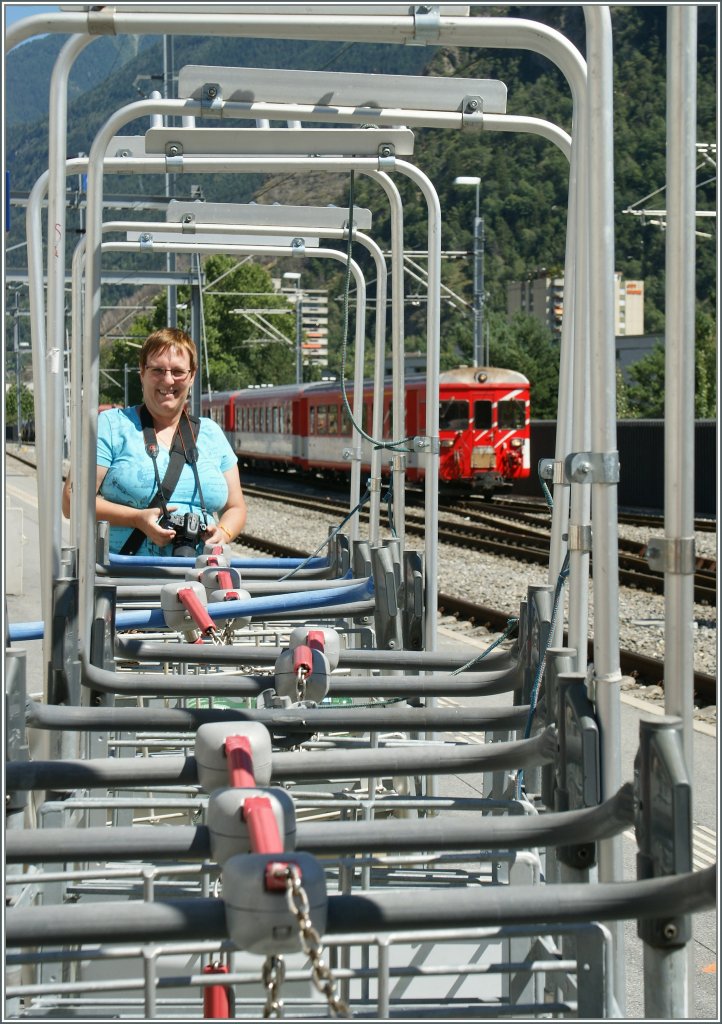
pixel 706 367
pixel 525 345
pixel 645 391
pixel 27 405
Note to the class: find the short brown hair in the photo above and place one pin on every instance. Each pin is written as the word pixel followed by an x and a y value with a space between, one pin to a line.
pixel 165 338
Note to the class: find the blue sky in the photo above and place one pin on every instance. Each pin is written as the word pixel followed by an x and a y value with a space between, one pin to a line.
pixel 14 12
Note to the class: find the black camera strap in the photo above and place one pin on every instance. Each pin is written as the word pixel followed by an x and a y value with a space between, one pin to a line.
pixel 183 450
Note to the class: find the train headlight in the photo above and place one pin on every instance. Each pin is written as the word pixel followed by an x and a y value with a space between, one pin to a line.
pixel 446 442
pixel 517 442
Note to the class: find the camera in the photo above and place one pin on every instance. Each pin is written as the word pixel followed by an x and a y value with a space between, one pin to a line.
pixel 188 529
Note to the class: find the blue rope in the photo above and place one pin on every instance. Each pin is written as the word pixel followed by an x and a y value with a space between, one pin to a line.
pixel 510 626
pixel 330 537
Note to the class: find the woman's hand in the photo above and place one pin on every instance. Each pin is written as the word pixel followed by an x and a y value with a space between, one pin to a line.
pixel 216 534
pixel 147 521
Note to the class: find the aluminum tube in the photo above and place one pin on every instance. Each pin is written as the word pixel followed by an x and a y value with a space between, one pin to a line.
pixel 353 717
pixel 150 592
pixel 464 32
pixel 375 481
pixel 578 414
pixel 51 454
pixel 669 989
pixel 372 912
pixel 299 766
pixel 679 364
pixel 506 905
pixel 133 649
pixel 431 432
pixel 36 297
pixel 603 367
pixel 532 125
pixel 607 674
pixel 217 684
pixel 358 393
pixel 398 399
pixel 332 838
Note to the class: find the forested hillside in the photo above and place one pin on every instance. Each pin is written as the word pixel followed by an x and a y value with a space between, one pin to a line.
pixel 524 179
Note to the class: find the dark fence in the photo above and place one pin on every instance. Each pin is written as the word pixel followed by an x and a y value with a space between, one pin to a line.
pixel 641 463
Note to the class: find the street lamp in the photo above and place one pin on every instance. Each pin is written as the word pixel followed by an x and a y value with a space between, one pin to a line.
pixel 294 278
pixel 478 271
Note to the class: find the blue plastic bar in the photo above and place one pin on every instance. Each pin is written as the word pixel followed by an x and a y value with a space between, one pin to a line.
pixel 26 631
pixel 238 563
pixel 255 607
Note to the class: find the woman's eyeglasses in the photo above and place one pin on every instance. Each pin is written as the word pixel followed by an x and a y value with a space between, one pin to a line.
pixel 159 372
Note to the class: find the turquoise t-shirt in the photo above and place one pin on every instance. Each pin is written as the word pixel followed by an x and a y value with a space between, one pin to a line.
pixel 130 479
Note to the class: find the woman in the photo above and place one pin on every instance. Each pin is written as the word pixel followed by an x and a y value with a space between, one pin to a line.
pixel 127 480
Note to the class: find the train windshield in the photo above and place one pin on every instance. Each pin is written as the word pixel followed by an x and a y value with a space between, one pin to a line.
pixel 482 415
pixel 511 414
pixel 453 415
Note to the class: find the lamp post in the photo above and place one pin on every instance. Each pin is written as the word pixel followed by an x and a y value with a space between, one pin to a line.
pixel 295 278
pixel 478 272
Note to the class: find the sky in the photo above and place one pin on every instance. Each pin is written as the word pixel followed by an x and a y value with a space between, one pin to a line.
pixel 14 12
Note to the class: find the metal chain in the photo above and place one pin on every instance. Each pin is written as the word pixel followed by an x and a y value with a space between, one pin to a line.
pixel 273 973
pixel 301 679
pixel 311 942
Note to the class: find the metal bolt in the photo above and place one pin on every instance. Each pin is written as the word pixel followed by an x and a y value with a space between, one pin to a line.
pixel 212 92
pixel 584 468
pixel 670 930
pixel 386 151
pixel 173 150
pixel 472 105
pixel 297 243
pixel 145 237
pixel 188 218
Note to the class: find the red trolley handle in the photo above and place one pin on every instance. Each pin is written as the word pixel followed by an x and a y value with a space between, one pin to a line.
pixel 190 601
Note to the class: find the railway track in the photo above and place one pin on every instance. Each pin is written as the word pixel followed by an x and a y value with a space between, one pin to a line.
pixel 643 668
pixel 508 532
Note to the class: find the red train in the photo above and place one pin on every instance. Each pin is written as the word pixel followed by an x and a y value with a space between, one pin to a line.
pixel 483 427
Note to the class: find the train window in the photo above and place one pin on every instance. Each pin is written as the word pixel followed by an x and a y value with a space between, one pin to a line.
pixel 312 419
pixel 453 414
pixel 345 422
pixel 511 414
pixel 333 419
pixel 274 421
pixel 482 415
pixel 322 419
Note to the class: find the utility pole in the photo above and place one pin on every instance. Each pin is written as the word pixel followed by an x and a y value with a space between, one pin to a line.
pixel 475 181
pixel 479 288
pixel 295 278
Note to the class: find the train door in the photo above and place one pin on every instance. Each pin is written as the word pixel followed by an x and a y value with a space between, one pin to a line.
pixel 512 440
pixel 300 428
